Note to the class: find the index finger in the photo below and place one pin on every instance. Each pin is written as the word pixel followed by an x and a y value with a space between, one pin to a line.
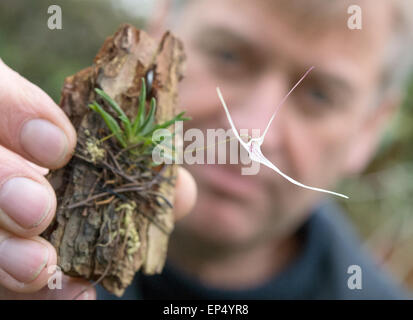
pixel 31 124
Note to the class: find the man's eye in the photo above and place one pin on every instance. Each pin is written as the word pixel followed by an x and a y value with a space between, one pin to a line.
pixel 230 63
pixel 314 100
pixel 226 56
pixel 319 95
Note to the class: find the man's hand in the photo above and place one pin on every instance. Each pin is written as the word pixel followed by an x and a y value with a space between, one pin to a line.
pixel 35 135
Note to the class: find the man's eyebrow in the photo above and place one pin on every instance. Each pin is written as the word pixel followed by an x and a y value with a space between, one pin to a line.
pixel 333 81
pixel 223 34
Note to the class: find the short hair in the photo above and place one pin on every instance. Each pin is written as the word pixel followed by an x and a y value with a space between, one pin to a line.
pixel 398 64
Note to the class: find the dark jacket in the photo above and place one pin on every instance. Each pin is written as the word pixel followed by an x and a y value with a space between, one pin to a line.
pixel 318 272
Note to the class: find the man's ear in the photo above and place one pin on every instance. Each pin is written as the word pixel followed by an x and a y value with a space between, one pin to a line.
pixel 364 146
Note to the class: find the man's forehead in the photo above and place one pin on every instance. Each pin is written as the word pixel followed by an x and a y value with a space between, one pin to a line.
pixel 248 23
pixel 304 15
pixel 349 59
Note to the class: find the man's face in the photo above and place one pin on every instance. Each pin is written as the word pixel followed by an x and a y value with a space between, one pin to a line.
pixel 255 54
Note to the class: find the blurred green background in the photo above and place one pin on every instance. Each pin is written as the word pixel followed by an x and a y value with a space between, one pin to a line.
pixel 381 199
pixel 47 56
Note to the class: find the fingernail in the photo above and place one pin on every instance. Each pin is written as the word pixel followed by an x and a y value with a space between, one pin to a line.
pixel 44 141
pixel 25 201
pixel 23 259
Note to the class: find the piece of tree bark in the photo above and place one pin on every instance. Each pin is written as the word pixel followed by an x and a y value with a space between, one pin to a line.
pixel 100 232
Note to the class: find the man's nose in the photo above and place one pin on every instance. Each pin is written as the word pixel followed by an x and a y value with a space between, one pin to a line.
pixel 257 108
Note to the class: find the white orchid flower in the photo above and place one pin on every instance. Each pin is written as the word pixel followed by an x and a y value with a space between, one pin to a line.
pixel 253 146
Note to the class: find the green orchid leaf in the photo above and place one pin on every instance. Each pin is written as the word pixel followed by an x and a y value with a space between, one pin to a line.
pixel 110 122
pixel 140 132
pixel 150 119
pixel 140 117
pixel 166 124
pixel 122 116
pixel 111 102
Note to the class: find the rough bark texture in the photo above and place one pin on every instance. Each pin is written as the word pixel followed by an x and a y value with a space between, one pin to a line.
pixel 92 230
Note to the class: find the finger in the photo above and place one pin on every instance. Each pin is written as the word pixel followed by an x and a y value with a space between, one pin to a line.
pixel 39 169
pixel 68 290
pixel 185 193
pixel 24 263
pixel 27 200
pixel 63 288
pixel 31 124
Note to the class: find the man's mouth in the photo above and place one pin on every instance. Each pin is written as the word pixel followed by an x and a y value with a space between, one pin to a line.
pixel 229 182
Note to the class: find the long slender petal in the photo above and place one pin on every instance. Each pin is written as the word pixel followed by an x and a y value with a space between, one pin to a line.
pixel 257 155
pixel 282 102
pixel 253 147
pixel 230 119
